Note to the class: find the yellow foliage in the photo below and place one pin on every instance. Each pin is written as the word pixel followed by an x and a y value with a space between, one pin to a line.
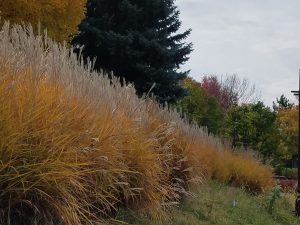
pixel 60 17
pixel 287 120
pixel 75 146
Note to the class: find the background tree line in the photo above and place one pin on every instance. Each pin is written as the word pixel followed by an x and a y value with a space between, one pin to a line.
pixel 231 110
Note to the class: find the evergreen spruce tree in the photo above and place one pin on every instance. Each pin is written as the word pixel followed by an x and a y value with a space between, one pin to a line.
pixel 137 40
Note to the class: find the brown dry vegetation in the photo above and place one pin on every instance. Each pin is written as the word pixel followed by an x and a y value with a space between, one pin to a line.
pixel 75 146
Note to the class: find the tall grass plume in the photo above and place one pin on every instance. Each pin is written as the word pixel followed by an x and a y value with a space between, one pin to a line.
pixel 75 146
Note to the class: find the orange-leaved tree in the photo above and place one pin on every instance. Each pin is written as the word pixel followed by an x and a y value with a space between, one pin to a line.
pixel 60 17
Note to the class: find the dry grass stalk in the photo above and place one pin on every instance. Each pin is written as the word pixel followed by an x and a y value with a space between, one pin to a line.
pixel 75 146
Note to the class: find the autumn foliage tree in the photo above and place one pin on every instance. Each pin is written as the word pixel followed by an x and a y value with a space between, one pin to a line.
pixel 287 119
pixel 60 17
pixel 229 91
pixel 201 108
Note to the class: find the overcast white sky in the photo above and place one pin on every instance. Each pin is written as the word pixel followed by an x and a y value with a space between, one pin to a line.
pixel 257 39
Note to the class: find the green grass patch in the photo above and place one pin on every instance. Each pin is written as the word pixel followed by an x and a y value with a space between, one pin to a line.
pixel 213 203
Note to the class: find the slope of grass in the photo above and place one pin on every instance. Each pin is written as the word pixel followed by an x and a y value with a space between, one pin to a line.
pixel 76 146
pixel 213 204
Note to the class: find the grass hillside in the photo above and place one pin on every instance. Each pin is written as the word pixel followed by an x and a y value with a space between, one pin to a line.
pixel 213 204
pixel 75 146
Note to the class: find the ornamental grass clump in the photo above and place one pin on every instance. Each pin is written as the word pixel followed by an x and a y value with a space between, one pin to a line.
pixel 76 146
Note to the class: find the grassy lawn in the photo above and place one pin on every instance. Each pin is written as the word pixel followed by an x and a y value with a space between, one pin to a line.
pixel 213 204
